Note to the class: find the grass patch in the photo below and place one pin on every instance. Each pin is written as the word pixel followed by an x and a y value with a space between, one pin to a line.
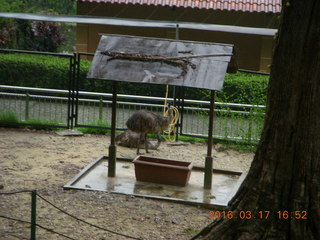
pixel 237 146
pixel 98 127
pixel 192 139
pixel 41 124
pixel 8 117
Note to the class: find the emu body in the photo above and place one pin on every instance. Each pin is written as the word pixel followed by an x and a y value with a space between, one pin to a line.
pixel 130 139
pixel 144 122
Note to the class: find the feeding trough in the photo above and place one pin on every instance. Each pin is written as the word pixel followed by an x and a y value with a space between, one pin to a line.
pixel 163 171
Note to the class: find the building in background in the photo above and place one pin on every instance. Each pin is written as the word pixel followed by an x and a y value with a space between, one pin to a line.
pixel 254 51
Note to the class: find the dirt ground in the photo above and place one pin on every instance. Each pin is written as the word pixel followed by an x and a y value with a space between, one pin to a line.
pixel 45 161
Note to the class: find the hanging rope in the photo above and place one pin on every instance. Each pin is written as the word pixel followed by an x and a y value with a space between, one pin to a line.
pixel 171 131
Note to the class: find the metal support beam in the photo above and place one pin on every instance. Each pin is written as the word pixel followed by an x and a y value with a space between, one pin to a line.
pixel 72 91
pixel 209 158
pixel 140 23
pixel 112 147
pixel 33 214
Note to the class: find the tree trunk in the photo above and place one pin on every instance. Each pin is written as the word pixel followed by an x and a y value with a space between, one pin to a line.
pixel 284 177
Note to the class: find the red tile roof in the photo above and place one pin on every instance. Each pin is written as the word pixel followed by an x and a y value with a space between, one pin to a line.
pixel 273 6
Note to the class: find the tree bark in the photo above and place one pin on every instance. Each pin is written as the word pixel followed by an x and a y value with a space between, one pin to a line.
pixel 285 174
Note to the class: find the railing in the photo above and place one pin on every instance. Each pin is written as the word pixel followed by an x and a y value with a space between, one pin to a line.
pixel 50 107
pixel 33 224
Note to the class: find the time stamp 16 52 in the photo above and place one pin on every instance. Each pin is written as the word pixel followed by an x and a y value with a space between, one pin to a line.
pixel 298 215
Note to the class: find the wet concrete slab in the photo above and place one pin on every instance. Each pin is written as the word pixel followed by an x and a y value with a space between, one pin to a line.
pixel 95 177
pixel 69 132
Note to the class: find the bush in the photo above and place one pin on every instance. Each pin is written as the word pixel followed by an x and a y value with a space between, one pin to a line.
pixel 244 88
pixel 34 71
pixel 53 72
pixel 46 71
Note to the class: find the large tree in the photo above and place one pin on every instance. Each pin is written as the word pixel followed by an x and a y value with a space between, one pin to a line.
pixel 284 177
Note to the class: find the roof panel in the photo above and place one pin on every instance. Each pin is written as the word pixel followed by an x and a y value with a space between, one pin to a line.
pixel 140 23
pixel 161 61
pixel 237 5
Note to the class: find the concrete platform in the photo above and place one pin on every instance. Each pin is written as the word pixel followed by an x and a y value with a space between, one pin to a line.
pixel 95 177
pixel 69 132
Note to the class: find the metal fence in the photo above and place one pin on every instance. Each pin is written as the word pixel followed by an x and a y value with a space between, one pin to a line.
pixel 69 107
pixel 93 109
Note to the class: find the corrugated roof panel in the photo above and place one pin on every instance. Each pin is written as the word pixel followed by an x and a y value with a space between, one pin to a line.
pixel 236 5
pixel 161 61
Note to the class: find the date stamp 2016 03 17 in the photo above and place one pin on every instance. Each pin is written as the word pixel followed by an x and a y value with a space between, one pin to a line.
pixel 298 215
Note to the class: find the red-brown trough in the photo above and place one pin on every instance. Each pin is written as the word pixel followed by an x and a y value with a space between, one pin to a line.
pixel 163 171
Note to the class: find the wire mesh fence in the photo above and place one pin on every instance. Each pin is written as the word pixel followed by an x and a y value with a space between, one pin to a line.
pixel 50 107
pixel 71 100
pixel 24 105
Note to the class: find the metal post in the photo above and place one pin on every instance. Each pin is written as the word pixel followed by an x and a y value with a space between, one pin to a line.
pixel 182 110
pixel 77 78
pixel 174 89
pixel 100 108
pixel 69 118
pixel 250 126
pixel 33 214
pixel 27 106
pixel 177 32
pixel 112 147
pixel 73 79
pixel 179 109
pixel 209 158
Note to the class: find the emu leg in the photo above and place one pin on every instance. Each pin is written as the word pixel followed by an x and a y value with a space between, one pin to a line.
pixel 138 145
pixel 146 143
pixel 160 138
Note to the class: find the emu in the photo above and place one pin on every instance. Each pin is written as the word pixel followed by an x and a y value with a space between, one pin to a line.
pixel 130 139
pixel 144 122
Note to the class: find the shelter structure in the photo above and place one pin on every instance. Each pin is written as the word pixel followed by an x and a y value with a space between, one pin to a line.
pixel 161 61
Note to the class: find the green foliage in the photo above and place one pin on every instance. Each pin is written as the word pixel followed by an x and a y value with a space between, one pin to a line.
pixel 101 128
pixel 8 117
pixel 41 124
pixel 192 139
pixel 60 7
pixel 39 6
pixel 11 6
pixel 11 119
pixel 52 72
pixel 35 35
pixel 34 70
pixel 237 146
pixel 245 88
pixel 243 122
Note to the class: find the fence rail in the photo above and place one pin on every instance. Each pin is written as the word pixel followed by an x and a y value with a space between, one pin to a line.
pixel 232 121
